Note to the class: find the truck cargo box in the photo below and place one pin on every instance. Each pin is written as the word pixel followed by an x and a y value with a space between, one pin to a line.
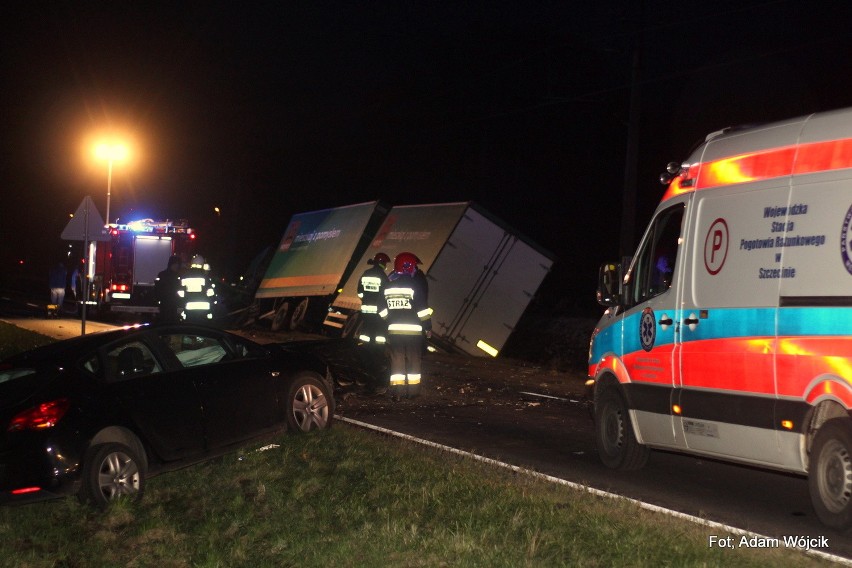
pixel 482 274
pixel 314 256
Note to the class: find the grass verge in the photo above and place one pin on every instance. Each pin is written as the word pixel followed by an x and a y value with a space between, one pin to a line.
pixel 15 339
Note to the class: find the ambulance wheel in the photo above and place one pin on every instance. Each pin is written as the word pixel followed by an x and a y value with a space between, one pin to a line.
pixel 299 313
pixel 616 442
pixel 830 475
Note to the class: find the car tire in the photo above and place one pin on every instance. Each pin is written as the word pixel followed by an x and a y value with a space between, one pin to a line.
pixel 310 404
pixel 614 436
pixel 830 474
pixel 111 472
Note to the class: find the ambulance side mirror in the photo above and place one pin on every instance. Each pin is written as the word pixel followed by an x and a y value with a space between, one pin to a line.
pixel 609 285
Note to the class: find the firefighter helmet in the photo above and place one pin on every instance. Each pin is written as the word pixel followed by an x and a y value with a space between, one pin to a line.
pixel 174 259
pixel 197 261
pixel 406 263
pixel 380 259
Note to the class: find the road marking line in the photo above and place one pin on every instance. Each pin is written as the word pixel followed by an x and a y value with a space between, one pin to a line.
pixel 586 488
pixel 548 396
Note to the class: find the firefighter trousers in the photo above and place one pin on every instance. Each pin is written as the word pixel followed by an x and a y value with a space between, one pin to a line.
pixel 406 352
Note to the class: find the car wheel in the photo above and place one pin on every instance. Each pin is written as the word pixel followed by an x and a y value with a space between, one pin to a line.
pixel 310 405
pixel 111 472
pixel 616 441
pixel 830 474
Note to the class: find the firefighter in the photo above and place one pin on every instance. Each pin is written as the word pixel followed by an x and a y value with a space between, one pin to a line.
pixel 409 317
pixel 373 329
pixel 166 289
pixel 197 291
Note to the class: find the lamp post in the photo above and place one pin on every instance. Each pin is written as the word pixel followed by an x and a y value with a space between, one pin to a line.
pixel 111 152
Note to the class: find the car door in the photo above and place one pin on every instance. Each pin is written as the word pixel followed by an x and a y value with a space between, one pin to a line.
pixel 236 387
pixel 649 324
pixel 160 402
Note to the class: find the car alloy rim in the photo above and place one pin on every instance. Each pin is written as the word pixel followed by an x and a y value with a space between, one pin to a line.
pixel 310 408
pixel 118 476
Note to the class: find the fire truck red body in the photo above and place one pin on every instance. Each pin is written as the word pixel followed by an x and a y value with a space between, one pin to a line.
pixel 126 266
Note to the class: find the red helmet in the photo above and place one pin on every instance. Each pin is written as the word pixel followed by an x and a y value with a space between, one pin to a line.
pixel 380 258
pixel 406 263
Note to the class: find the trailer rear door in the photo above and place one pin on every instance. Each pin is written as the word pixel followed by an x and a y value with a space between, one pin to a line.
pixel 481 283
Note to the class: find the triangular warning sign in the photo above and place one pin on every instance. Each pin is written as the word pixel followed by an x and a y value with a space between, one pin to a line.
pixel 86 224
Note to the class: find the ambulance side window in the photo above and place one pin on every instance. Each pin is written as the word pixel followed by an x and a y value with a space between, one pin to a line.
pixel 655 264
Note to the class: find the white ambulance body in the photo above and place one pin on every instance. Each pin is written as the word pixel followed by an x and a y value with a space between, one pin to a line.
pixel 730 333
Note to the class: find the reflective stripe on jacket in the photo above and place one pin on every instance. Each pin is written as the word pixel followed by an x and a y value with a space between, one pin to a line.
pixel 406 306
pixel 370 288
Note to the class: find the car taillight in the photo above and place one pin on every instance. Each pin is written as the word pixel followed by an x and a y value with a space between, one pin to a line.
pixel 45 415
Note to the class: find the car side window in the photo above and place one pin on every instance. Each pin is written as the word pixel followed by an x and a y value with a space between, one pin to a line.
pixel 654 268
pixel 193 350
pixel 93 365
pixel 244 350
pixel 130 360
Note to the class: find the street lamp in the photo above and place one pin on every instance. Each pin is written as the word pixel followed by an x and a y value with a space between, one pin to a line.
pixel 111 152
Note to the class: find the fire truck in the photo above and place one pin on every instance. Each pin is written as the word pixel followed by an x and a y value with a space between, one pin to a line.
pixel 126 266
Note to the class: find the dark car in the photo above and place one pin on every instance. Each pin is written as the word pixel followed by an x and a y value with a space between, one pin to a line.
pixel 95 415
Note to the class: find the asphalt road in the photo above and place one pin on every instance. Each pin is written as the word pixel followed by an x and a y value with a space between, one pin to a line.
pixel 480 406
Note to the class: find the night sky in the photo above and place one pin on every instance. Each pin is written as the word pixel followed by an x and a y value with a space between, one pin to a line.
pixel 266 109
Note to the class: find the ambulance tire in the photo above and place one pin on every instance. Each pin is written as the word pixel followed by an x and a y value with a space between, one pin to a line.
pixel 616 442
pixel 830 475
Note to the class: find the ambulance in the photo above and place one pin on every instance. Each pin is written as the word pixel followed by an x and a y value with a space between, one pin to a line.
pixel 729 333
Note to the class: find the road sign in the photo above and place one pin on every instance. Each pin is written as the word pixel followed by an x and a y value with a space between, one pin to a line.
pixel 86 224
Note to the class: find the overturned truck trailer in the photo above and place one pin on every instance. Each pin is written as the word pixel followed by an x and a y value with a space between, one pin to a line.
pixel 315 256
pixel 482 274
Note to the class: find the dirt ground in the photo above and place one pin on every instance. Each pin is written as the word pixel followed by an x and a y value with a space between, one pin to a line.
pixel 448 379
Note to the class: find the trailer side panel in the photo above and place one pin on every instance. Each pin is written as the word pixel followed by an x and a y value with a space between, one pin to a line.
pixel 313 255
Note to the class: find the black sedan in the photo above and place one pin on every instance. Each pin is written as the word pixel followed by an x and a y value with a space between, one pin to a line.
pixel 94 415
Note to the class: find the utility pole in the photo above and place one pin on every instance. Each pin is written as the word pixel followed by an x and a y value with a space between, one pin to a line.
pixel 628 203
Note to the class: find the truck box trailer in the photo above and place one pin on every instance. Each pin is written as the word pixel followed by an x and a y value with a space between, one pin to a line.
pixel 482 274
pixel 315 255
